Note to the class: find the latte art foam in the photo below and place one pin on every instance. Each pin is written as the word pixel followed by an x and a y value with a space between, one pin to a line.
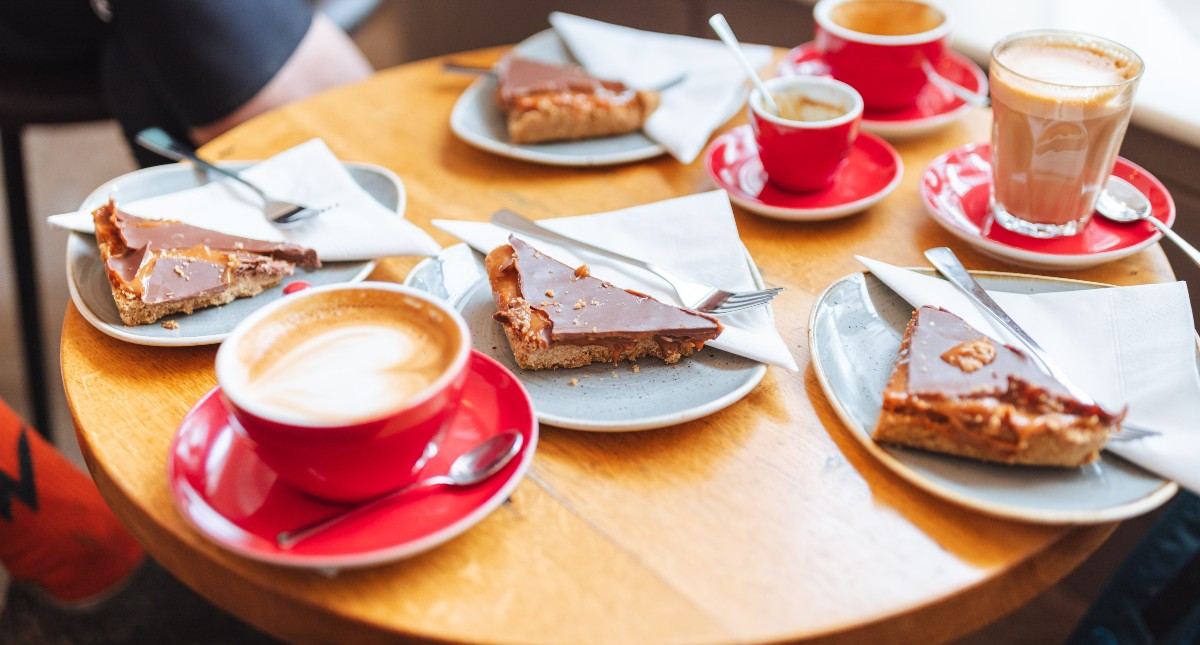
pixel 361 370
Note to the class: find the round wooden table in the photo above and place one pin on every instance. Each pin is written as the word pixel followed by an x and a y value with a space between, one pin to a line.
pixel 766 522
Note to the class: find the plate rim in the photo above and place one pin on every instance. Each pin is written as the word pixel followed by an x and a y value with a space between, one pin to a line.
pixel 90 202
pixel 375 556
pixel 1036 259
pixel 808 214
pixel 1146 503
pixel 755 376
pixel 911 128
pixel 521 153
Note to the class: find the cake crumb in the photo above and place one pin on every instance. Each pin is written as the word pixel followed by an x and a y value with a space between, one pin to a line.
pixel 595 330
pixel 583 271
pixel 615 375
pixel 170 324
pixel 579 304
pixel 636 369
pixel 550 292
pixel 573 382
pixel 596 303
pixel 179 270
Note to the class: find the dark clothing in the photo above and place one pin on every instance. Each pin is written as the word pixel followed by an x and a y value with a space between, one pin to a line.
pixel 175 64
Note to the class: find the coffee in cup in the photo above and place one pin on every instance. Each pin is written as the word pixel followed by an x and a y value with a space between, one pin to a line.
pixel 804 145
pixel 1061 103
pixel 345 390
pixel 885 49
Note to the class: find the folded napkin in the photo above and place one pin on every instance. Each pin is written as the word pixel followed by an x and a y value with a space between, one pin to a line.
pixel 694 236
pixel 1132 346
pixel 691 110
pixel 358 228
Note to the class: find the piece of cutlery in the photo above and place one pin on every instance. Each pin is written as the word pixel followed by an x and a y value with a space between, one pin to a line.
pixel 974 98
pixel 725 33
pixel 277 211
pixel 948 264
pixel 459 68
pixel 1121 201
pixel 468 469
pixel 692 295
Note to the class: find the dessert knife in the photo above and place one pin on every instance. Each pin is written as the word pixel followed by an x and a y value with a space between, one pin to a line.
pixel 948 264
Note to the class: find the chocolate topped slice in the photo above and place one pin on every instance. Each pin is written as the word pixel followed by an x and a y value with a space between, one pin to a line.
pixel 544 102
pixel 523 77
pixel 955 390
pixel 557 316
pixel 159 267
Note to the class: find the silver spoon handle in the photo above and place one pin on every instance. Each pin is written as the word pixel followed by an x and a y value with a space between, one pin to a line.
pixel 1191 251
pixel 948 265
pixel 157 140
pixel 288 539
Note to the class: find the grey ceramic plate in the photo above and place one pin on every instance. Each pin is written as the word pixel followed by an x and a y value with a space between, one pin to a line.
pixel 605 398
pixel 477 121
pixel 93 296
pixel 854 333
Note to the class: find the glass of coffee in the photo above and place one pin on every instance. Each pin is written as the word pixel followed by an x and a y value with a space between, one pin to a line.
pixel 1061 103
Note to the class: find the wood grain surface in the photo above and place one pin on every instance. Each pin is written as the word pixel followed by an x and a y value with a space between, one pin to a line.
pixel 766 522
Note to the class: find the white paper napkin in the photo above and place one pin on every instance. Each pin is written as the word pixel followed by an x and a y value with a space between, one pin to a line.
pixel 690 110
pixel 1132 346
pixel 694 236
pixel 359 228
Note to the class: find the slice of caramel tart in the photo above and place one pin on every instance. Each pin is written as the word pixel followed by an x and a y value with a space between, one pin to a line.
pixel 954 390
pixel 558 316
pixel 160 267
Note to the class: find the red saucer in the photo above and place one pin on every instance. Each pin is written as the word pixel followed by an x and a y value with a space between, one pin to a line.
pixel 234 499
pixel 956 188
pixel 872 171
pixel 934 107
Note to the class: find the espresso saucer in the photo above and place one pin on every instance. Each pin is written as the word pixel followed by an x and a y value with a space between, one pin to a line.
pixel 872 171
pixel 934 108
pixel 956 190
pixel 235 500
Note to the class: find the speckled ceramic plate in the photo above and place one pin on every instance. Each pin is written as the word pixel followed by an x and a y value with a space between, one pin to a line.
pixel 93 296
pixel 604 398
pixel 854 333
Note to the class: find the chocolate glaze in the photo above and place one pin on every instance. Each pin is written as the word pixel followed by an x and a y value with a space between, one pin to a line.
pixel 166 260
pixel 938 331
pixel 520 77
pixel 569 306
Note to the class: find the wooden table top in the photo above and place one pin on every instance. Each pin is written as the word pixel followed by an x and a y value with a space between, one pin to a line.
pixel 765 522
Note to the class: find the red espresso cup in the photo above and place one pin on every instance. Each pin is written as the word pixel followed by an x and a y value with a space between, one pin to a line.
pixel 804 146
pixel 885 49
pixel 346 390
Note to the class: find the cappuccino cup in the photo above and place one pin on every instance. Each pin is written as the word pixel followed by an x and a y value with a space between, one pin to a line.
pixel 345 390
pixel 1061 102
pixel 882 48
pixel 805 144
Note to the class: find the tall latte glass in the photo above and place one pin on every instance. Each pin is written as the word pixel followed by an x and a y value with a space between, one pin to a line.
pixel 1061 103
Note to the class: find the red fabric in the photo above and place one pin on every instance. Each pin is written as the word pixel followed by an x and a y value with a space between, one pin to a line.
pixel 55 530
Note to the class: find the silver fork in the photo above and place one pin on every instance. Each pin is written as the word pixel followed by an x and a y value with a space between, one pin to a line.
pixel 692 295
pixel 277 211
pixel 948 265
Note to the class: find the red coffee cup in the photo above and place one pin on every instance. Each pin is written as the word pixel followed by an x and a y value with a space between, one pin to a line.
pixel 804 153
pixel 345 390
pixel 885 49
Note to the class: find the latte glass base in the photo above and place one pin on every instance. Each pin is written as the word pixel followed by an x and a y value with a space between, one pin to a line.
pixel 1035 229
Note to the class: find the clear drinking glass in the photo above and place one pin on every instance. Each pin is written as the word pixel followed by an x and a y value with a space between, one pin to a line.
pixel 1061 102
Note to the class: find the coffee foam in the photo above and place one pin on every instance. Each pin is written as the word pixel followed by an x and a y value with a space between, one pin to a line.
pixel 1067 64
pixel 345 357
pixel 1053 77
